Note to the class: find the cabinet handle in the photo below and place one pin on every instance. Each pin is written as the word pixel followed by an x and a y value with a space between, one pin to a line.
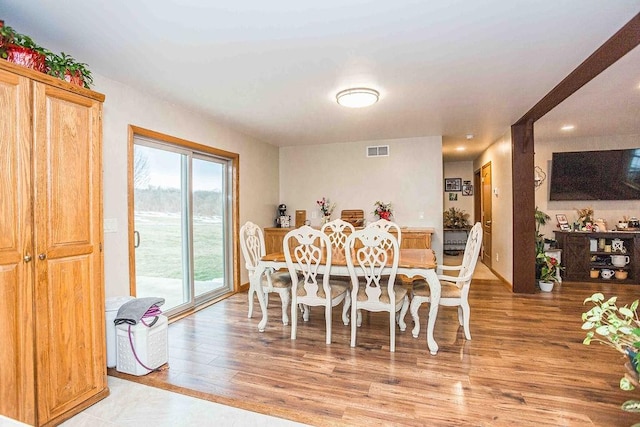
pixel 27 258
pixel 42 257
pixel 136 239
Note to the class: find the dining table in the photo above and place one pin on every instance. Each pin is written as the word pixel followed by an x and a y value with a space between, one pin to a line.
pixel 412 263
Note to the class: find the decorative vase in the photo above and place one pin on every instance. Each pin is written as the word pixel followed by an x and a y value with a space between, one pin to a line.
pixel 545 286
pixel 385 215
pixel 326 219
pixel 27 58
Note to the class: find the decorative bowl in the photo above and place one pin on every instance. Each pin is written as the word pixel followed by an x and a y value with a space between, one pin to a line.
pixel 621 274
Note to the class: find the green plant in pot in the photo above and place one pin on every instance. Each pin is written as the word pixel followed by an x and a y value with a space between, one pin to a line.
pixel 455 218
pixel 618 328
pixel 65 67
pixel 21 49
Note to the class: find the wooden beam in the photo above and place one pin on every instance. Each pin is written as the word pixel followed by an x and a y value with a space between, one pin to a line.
pixel 523 145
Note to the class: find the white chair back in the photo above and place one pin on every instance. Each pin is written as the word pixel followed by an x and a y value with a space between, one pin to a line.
pixel 252 244
pixel 379 251
pixel 303 260
pixel 336 230
pixel 387 225
pixel 471 253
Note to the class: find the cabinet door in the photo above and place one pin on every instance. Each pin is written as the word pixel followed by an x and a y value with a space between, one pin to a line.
pixel 17 398
pixel 576 257
pixel 69 290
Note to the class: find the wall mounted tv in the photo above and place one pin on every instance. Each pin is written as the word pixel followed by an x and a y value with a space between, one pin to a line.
pixel 595 175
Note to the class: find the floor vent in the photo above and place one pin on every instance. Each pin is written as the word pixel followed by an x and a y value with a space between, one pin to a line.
pixel 378 151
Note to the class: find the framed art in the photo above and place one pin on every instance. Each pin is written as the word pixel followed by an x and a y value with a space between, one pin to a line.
pixel 453 197
pixel 453 184
pixel 562 222
pixel 467 190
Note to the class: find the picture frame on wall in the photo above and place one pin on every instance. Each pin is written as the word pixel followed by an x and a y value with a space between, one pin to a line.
pixel 467 190
pixel 453 197
pixel 453 184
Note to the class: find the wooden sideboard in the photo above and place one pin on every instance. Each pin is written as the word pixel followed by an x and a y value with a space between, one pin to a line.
pixel 580 256
pixel 412 238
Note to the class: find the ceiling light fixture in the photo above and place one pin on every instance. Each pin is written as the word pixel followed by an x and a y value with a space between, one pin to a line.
pixel 567 127
pixel 461 148
pixel 469 136
pixel 357 97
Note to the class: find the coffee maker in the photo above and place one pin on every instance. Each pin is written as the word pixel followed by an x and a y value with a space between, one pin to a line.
pixel 283 220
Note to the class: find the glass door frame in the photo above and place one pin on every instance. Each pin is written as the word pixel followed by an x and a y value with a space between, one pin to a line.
pixel 231 244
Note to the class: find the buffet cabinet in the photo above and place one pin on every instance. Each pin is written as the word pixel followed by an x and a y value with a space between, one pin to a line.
pixel 411 238
pixel 585 255
pixel 52 356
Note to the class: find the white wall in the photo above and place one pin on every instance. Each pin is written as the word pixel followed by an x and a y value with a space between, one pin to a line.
pixel 611 210
pixel 410 178
pixel 125 105
pixel 463 170
pixel 499 154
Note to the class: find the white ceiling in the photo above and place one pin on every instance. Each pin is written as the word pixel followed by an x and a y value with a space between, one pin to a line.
pixel 272 69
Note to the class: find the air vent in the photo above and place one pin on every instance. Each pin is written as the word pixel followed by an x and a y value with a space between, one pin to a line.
pixel 378 151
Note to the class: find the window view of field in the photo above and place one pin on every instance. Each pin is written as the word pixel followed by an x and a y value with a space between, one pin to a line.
pixel 161 255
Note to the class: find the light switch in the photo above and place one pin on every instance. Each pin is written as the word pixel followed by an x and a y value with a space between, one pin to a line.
pixel 110 225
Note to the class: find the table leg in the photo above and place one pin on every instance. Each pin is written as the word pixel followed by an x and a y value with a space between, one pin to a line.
pixel 254 283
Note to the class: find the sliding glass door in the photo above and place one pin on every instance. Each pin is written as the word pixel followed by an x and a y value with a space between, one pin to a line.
pixel 182 232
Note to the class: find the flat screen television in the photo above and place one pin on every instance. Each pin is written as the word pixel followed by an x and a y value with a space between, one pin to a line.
pixel 595 175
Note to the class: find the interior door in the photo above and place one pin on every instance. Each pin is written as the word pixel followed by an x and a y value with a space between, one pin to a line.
pixel 486 213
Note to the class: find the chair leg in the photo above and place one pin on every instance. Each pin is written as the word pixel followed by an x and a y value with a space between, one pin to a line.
pixel 392 331
pixel 294 317
pixel 359 318
pixel 416 302
pixel 465 310
pixel 327 315
pixel 354 324
pixel 250 295
pixel 305 312
pixel 266 299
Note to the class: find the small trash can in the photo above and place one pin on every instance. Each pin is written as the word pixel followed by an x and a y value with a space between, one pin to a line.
pixel 142 348
pixel 112 305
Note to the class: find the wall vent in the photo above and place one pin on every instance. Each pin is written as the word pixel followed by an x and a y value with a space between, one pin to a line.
pixel 378 151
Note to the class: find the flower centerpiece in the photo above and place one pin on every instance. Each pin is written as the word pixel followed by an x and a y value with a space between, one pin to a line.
pixel 585 218
pixel 618 328
pixel 326 208
pixel 383 210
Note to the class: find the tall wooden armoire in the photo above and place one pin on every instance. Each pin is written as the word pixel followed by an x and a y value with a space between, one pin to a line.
pixel 52 332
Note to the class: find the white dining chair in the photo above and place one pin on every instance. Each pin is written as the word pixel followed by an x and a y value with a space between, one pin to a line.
pixel 253 249
pixel 338 230
pixel 455 289
pixel 386 225
pixel 304 257
pixel 369 253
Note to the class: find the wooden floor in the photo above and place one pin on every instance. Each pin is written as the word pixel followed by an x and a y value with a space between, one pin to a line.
pixel 525 366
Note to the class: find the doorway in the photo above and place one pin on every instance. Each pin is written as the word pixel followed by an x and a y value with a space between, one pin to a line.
pixel 485 213
pixel 182 231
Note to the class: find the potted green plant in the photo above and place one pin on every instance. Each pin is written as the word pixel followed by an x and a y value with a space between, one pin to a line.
pixel 21 49
pixel 455 218
pixel 65 67
pixel 549 268
pixel 618 328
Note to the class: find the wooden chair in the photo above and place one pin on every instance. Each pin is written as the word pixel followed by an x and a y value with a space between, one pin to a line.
pixel 455 289
pixel 375 249
pixel 252 244
pixel 304 256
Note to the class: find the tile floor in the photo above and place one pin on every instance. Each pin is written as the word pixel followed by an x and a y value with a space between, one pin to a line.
pixel 133 404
